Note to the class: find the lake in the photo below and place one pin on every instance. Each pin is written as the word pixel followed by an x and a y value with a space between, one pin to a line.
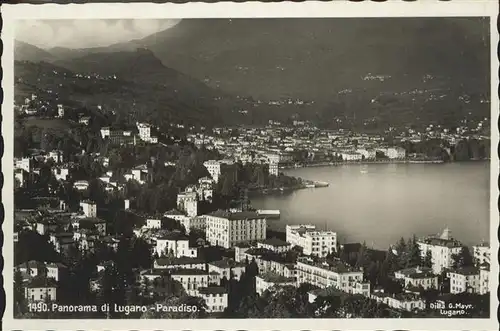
pixel 380 203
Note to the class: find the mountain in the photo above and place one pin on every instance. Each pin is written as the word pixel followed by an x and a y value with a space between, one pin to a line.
pixel 315 58
pixel 367 73
pixel 27 52
pixel 135 84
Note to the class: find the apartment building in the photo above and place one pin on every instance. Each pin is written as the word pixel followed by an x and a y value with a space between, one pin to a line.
pixel 442 249
pixel 174 244
pixel 465 279
pixel 329 273
pixel 312 241
pixel 215 298
pixel 484 279
pixel 179 263
pixel 417 277
pixel 227 229
pixel 41 289
pixel 481 253
pixel 89 208
pixel 191 279
pixel 275 245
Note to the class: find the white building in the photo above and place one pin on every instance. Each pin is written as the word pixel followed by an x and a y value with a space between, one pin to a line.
pixel 89 208
pixel 191 279
pixel 24 163
pixel 188 203
pixel 227 229
pixel 41 289
pixel 273 169
pixel 402 301
pixel 275 245
pixel 21 176
pixel 179 263
pixel 367 153
pixel 351 156
pixel 418 277
pixel 481 253
pixel 196 222
pixel 465 279
pixel 81 185
pixel 330 273
pixel 60 110
pixel 395 153
pixel 85 120
pixel 174 244
pixel 312 241
pixel 267 280
pixel 139 174
pixel 144 131
pixel 484 279
pixel 105 132
pixel 442 249
pixel 36 269
pixel 227 268
pixel 56 156
pixel 61 173
pixel 215 298
pixel 214 167
pixel 153 223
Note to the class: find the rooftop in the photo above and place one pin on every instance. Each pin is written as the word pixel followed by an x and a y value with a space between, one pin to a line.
pixel 172 236
pixel 327 292
pixel 331 265
pixel 95 220
pixel 173 212
pixel 411 272
pixel 450 243
pixel 241 215
pixel 466 271
pixel 276 278
pixel 227 263
pixel 275 242
pixel 188 272
pixel 42 281
pixel 212 290
pixel 178 261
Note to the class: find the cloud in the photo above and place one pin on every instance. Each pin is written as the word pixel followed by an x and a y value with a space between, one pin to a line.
pixel 87 33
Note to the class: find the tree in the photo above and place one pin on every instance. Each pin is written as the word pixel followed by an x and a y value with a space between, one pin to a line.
pixel 413 257
pixel 19 300
pixel 327 306
pixel 363 257
pixel 427 260
pixel 462 259
pixel 401 250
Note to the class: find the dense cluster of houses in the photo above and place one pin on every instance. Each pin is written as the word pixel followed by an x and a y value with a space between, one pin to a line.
pixel 242 233
pixel 239 232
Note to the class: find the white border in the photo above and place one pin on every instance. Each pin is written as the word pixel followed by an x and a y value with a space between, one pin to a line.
pixel 421 8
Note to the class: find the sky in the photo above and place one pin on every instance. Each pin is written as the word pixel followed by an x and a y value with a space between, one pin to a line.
pixel 87 33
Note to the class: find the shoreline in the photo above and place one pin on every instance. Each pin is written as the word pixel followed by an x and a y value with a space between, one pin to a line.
pixel 366 162
pixel 333 164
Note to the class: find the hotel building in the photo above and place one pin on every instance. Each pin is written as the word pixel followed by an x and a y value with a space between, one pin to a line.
pixel 442 249
pixel 227 229
pixel 312 241
pixel 331 273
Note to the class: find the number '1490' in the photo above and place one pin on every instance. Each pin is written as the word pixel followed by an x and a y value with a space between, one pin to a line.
pixel 38 307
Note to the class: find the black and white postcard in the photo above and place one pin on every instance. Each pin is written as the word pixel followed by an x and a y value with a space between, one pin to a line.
pixel 251 166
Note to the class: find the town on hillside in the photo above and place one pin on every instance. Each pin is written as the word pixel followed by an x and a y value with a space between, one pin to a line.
pixel 129 220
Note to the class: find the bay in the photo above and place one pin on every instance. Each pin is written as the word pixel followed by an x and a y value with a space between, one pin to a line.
pixel 380 203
